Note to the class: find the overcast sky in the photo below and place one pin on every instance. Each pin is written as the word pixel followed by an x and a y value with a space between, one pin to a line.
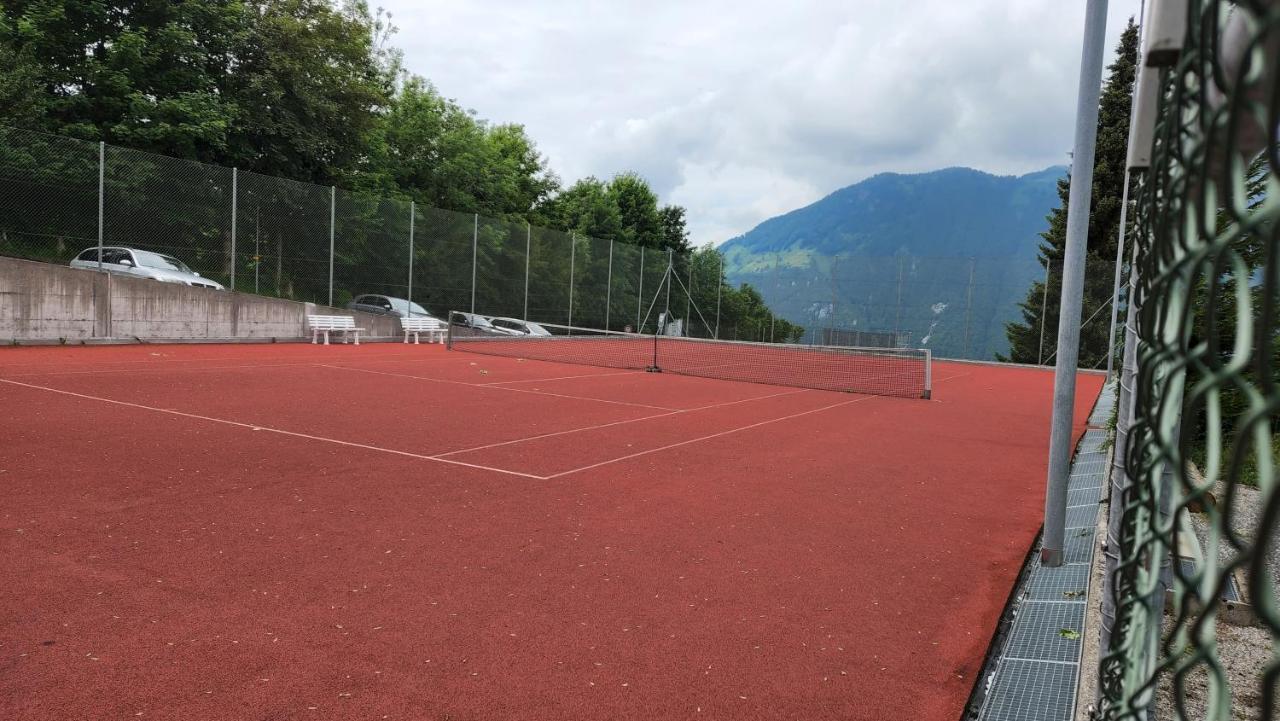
pixel 743 110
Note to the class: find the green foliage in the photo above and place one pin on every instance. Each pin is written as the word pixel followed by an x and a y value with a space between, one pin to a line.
pixel 1104 225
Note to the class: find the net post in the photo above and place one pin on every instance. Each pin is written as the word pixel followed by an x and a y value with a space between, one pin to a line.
pixel 475 241
pixel 333 215
pixel 448 330
pixel 235 181
pixel 528 239
pixel 102 192
pixel 608 288
pixel 928 374
pixel 412 212
pixel 1064 380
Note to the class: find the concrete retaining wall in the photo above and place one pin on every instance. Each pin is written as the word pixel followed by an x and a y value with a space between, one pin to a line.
pixel 41 302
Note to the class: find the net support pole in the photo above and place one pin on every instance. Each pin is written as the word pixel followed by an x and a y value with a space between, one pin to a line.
pixel 102 194
pixel 640 293
pixel 475 242
pixel 528 239
pixel 1115 289
pixel 573 248
pixel 1068 351
pixel 928 374
pixel 1044 310
pixel 412 212
pixel 235 181
pixel 333 215
pixel 719 286
pixel 608 288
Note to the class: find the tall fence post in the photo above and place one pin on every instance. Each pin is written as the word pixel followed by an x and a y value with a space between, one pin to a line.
pixel 528 247
pixel 1044 309
pixel 608 288
pixel 412 212
pixel 102 193
pixel 666 309
pixel 573 248
pixel 1115 290
pixel 475 242
pixel 897 318
pixel 640 292
pixel 235 182
pixel 333 215
pixel 688 300
pixel 968 307
pixel 1073 265
pixel 719 286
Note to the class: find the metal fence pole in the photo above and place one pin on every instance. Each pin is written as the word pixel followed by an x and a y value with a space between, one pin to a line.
pixel 666 308
pixel 1069 308
pixel 968 307
pixel 608 288
pixel 412 212
pixel 719 286
pixel 475 242
pixel 102 192
pixel 1115 290
pixel 235 182
pixel 688 300
pixel 573 247
pixel 333 205
pixel 528 240
pixel 897 318
pixel 640 293
pixel 1044 309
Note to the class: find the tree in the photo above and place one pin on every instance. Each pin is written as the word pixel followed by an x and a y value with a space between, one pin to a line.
pixel 1104 221
pixel 672 228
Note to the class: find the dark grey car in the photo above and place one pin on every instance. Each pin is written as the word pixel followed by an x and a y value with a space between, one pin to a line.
pixel 387 305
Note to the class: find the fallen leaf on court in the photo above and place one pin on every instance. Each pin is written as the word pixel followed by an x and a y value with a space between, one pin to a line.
pixel 1068 634
pixel 1072 594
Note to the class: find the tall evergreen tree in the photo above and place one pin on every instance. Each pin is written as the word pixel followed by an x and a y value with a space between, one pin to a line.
pixel 1104 223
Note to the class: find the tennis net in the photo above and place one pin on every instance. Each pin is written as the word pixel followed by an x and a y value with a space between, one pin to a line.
pixel 876 371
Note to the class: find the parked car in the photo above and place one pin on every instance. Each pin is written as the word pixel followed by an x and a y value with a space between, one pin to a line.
pixel 479 323
pixel 522 327
pixel 387 305
pixel 142 264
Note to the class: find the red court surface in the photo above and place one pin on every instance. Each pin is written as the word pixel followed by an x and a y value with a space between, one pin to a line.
pixel 402 532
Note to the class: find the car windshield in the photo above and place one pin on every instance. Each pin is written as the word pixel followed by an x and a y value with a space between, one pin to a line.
pixel 156 260
pixel 504 323
pixel 479 322
pixel 407 307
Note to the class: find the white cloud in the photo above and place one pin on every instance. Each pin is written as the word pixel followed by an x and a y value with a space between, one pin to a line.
pixel 742 110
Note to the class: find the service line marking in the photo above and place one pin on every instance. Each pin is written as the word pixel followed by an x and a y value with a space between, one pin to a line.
pixel 563 378
pixel 618 423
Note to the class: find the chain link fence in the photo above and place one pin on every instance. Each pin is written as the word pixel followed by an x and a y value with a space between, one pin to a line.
pixel 1193 623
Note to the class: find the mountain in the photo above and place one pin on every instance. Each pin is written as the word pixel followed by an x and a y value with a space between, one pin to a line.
pixel 943 256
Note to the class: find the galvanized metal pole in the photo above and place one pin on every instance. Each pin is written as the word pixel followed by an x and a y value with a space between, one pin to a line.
pixel 1073 266
pixel 666 309
pixel 968 308
pixel 1115 289
pixel 333 200
pixel 1044 309
pixel 528 238
pixel 573 247
pixel 688 300
pixel 412 212
pixel 475 241
pixel 608 288
pixel 719 285
pixel 235 181
pixel 102 191
pixel 640 292
pixel 897 318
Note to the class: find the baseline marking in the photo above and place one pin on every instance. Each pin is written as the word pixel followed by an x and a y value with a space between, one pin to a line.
pixel 563 378
pixel 255 427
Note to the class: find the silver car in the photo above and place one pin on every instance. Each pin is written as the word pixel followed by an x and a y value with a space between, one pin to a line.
pixel 143 264
pixel 522 327
pixel 479 324
pixel 387 305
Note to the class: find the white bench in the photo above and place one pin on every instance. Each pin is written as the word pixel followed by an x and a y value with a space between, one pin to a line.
pixel 325 324
pixel 433 327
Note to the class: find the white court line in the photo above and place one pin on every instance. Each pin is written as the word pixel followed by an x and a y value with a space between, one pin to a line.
pixel 562 378
pixel 256 427
pixel 501 388
pixel 709 437
pixel 400 358
pixel 618 423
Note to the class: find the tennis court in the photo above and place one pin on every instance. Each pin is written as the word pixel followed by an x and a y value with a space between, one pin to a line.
pixel 406 532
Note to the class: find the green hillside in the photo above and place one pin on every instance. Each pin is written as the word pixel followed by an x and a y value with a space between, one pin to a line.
pixel 944 256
